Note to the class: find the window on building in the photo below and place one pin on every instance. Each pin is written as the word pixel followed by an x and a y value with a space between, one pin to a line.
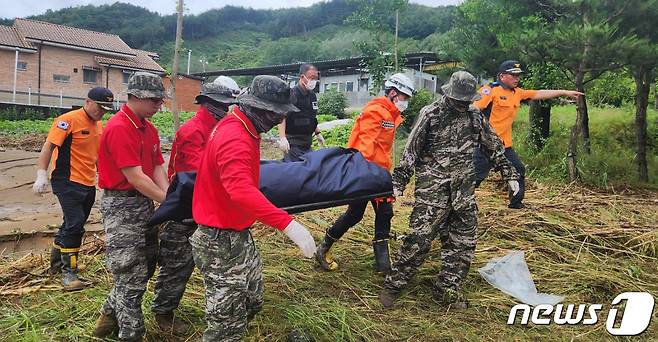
pixel 334 85
pixel 341 86
pixel 326 86
pixel 126 76
pixel 90 75
pixel 61 78
pixel 349 87
pixel 363 84
pixel 428 84
pixel 21 65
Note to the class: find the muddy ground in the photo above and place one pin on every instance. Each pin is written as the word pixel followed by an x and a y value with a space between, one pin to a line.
pixel 28 221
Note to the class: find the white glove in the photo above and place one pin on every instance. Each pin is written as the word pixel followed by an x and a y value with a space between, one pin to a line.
pixel 41 183
pixel 320 139
pixel 513 186
pixel 284 145
pixel 301 237
pixel 397 193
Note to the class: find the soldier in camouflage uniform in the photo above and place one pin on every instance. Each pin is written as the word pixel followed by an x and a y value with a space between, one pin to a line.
pixel 440 151
pixel 227 201
pixel 132 175
pixel 175 254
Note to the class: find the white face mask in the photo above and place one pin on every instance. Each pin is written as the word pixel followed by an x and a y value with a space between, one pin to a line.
pixel 310 84
pixel 402 105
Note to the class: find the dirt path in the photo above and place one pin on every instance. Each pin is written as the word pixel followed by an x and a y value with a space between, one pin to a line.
pixel 28 221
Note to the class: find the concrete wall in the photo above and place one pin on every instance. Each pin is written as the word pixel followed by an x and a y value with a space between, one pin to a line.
pixel 360 95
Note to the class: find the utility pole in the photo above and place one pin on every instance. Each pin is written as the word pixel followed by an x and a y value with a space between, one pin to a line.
pixel 395 45
pixel 189 56
pixel 174 72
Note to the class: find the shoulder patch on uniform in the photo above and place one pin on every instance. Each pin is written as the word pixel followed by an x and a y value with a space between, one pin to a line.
pixel 485 91
pixel 63 125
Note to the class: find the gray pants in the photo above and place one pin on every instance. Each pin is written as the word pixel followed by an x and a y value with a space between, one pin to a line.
pixel 176 266
pixel 132 248
pixel 233 278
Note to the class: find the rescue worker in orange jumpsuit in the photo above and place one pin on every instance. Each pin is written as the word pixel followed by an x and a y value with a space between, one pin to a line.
pixel 373 135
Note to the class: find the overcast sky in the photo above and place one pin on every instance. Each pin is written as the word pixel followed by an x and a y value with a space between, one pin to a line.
pixel 24 8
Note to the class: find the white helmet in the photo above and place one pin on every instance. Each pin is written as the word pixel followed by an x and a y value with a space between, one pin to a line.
pixel 402 83
pixel 229 83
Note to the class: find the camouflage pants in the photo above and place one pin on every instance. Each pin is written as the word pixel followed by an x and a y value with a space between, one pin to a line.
pixel 455 224
pixel 132 249
pixel 233 278
pixel 176 266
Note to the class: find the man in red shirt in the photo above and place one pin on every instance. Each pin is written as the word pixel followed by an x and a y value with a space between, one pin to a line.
pixel 227 201
pixel 175 253
pixel 132 175
pixel 72 145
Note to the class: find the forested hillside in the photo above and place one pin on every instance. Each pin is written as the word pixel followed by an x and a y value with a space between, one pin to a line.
pixel 236 37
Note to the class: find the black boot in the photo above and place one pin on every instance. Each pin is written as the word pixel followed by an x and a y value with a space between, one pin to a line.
pixel 323 254
pixel 70 280
pixel 55 260
pixel 382 258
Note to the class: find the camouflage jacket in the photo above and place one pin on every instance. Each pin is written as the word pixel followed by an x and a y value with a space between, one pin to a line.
pixel 441 145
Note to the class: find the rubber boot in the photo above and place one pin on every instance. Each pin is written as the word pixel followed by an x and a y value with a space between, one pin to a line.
pixel 70 280
pixel 170 324
pixel 382 258
pixel 323 254
pixel 450 298
pixel 105 326
pixel 55 260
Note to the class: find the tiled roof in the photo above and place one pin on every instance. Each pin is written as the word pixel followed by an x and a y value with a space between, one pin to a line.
pixel 9 37
pixel 67 35
pixel 142 61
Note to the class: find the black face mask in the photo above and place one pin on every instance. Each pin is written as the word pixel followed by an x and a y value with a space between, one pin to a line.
pixel 456 105
pixel 263 120
pixel 217 110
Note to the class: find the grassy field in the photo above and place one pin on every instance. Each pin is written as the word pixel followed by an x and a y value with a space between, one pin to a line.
pixel 585 245
pixel 612 160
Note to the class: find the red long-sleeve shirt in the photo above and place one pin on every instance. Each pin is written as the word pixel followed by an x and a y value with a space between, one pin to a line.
pixel 226 193
pixel 190 141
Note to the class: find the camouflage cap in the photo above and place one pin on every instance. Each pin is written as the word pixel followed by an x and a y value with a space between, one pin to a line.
pixel 146 85
pixel 462 86
pixel 216 92
pixel 268 93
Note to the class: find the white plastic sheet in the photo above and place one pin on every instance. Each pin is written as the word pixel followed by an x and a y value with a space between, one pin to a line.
pixel 510 274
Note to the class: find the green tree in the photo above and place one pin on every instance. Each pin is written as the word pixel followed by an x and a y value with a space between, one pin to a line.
pixel 374 16
pixel 640 19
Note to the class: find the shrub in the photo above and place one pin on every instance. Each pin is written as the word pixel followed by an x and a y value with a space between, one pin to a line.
pixel 325 118
pixel 612 89
pixel 332 102
pixel 422 98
